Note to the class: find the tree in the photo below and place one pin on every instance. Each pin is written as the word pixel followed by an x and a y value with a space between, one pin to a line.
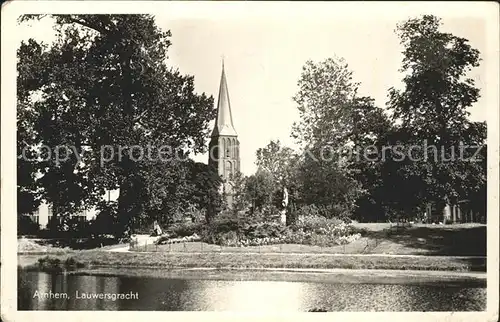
pixel 206 185
pixel 260 189
pixel 432 111
pixel 325 88
pixel 102 85
pixel 164 189
pixel 335 123
pixel 28 198
pixel 239 194
pixel 282 164
pixel 277 160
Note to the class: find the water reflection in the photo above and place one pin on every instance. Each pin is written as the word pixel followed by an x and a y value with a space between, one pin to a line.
pixel 222 295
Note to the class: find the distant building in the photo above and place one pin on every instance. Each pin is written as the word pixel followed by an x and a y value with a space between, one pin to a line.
pixel 45 213
pixel 224 147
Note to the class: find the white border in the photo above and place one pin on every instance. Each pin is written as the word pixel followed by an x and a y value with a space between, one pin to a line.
pixel 489 11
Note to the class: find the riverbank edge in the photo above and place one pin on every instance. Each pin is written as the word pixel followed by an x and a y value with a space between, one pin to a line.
pixel 126 250
pixel 141 260
pixel 393 273
pixel 388 272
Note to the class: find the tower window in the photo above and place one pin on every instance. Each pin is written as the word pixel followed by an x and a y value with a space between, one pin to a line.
pixel 233 148
pixel 229 169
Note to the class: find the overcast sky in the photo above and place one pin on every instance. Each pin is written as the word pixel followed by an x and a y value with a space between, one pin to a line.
pixel 265 50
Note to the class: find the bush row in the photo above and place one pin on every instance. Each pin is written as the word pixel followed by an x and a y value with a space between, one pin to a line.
pixel 248 231
pixel 55 265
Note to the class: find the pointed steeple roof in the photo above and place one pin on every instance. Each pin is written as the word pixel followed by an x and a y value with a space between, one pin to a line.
pixel 224 121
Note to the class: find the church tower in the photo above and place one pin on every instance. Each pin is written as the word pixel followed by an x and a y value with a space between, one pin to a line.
pixel 224 147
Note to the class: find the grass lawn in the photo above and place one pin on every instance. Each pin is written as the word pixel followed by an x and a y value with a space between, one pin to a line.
pixel 472 279
pixel 250 260
pixel 423 239
pixel 442 244
pixel 453 240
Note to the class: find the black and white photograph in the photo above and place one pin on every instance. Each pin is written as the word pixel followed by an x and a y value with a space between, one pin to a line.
pixel 250 157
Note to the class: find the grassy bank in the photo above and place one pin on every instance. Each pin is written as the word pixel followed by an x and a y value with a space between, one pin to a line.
pixel 94 259
pixel 61 246
pixel 53 264
pixel 441 243
pixel 423 239
pixel 310 275
pixel 378 238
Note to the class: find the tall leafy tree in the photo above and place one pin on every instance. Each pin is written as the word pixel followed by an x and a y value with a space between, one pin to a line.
pixel 335 122
pixel 281 164
pixel 206 184
pixel 240 201
pixel 260 189
pixel 277 160
pixel 104 84
pixel 432 111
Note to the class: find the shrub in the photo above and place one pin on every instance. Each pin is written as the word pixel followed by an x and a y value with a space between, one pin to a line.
pixel 326 211
pixel 269 213
pixel 309 230
pixel 320 231
pixel 104 223
pixel 223 229
pixel 232 230
pixel 319 224
pixel 312 238
pixel 78 228
pixel 26 226
pixel 51 264
pixel 55 228
pixel 196 215
pixel 229 238
pixel 263 230
pixel 184 229
pixel 71 264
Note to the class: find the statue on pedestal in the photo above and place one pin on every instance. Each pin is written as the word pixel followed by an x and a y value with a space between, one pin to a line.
pixel 156 229
pixel 284 203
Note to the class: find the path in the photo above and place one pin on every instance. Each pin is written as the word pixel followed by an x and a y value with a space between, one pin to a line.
pixel 141 240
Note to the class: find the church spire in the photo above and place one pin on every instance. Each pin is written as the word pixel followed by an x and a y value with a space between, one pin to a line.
pixel 224 147
pixel 224 121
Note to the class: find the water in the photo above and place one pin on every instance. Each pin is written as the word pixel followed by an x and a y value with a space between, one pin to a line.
pixel 188 294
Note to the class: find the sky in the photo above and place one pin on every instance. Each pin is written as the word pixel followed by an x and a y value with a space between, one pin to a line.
pixel 264 51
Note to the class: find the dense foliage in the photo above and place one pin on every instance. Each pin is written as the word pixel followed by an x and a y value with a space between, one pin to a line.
pixel 432 110
pixel 250 231
pixel 357 160
pixel 105 84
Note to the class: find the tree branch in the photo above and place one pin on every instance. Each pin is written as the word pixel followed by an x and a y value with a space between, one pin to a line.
pixel 88 25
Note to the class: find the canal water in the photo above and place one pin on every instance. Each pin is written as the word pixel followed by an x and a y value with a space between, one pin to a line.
pixel 37 292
